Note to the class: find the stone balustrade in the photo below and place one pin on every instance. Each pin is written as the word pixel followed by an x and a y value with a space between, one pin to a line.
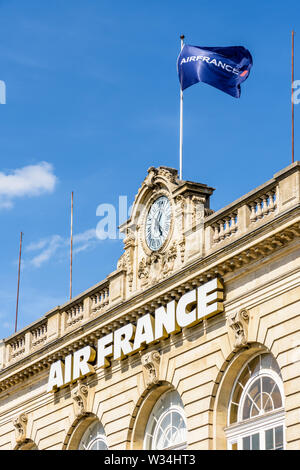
pixel 254 209
pixel 54 324
pixel 100 300
pixel 74 314
pixel 39 335
pixel 263 205
pixel 225 227
pixel 17 348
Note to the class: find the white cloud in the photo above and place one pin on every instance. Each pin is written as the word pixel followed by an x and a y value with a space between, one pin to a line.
pixel 86 236
pixel 49 248
pixel 59 247
pixel 31 180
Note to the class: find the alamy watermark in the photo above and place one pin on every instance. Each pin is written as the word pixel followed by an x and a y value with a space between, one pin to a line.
pixel 2 92
pixel 114 217
pixel 296 94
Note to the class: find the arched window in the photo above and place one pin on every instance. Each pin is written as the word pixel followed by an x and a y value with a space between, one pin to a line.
pixel 256 410
pixel 166 427
pixel 93 438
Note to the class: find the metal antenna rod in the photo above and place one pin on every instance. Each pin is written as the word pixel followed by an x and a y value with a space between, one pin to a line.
pixel 18 288
pixel 71 246
pixel 181 121
pixel 293 159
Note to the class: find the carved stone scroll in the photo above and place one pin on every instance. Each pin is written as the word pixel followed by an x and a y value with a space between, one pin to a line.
pixel 151 363
pixel 238 322
pixel 80 395
pixel 20 424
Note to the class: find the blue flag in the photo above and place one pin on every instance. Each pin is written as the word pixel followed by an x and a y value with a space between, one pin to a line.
pixel 224 68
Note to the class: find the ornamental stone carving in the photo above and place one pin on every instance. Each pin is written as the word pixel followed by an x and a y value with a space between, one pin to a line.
pixel 143 272
pixel 151 364
pixel 80 396
pixel 170 174
pixel 168 260
pixel 126 260
pixel 198 209
pixel 238 322
pixel 181 245
pixel 20 424
pixel 157 266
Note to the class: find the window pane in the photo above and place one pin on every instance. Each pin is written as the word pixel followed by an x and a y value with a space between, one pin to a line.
pixel 98 445
pixel 276 396
pixel 236 396
pixel 160 440
pixel 177 420
pixel 166 422
pixel 254 411
pixel 267 385
pixel 267 403
pixel 246 443
pixel 245 376
pixel 93 438
pixel 247 408
pixel 254 393
pixel 233 413
pixel 234 446
pixel 279 438
pixel 269 439
pixel 253 401
pixel 255 442
pixel 275 367
pixel 266 361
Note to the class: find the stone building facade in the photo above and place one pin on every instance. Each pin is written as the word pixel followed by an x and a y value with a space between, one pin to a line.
pixel 193 342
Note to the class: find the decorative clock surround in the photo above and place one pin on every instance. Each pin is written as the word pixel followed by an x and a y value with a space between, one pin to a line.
pixel 167 212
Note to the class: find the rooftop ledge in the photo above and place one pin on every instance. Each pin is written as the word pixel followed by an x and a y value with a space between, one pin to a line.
pixel 250 214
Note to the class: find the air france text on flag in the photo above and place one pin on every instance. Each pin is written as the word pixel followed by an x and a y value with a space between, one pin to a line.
pixel 224 68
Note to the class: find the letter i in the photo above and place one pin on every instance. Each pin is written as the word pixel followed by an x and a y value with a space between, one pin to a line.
pixel 68 369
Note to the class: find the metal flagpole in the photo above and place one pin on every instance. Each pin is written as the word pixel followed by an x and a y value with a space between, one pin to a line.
pixel 293 96
pixel 71 246
pixel 181 121
pixel 18 288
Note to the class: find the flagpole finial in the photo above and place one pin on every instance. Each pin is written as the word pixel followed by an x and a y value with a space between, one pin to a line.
pixel 182 36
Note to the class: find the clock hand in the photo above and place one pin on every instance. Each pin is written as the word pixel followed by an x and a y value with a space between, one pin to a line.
pixel 157 225
pixel 160 227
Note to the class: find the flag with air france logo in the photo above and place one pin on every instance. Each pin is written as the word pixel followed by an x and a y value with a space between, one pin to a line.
pixel 224 68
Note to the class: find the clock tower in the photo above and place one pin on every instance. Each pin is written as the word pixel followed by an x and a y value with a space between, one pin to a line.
pixel 166 229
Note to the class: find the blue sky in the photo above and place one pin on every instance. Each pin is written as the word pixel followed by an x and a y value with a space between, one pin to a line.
pixel 93 101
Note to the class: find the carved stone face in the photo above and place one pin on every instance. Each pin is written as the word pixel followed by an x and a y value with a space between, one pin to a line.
pixel 158 223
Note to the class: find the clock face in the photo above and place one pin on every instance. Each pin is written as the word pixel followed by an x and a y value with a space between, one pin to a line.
pixel 158 223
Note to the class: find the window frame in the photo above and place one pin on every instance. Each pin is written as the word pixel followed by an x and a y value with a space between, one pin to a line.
pixel 259 424
pixel 152 438
pixel 260 374
pixel 158 426
pixel 99 436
